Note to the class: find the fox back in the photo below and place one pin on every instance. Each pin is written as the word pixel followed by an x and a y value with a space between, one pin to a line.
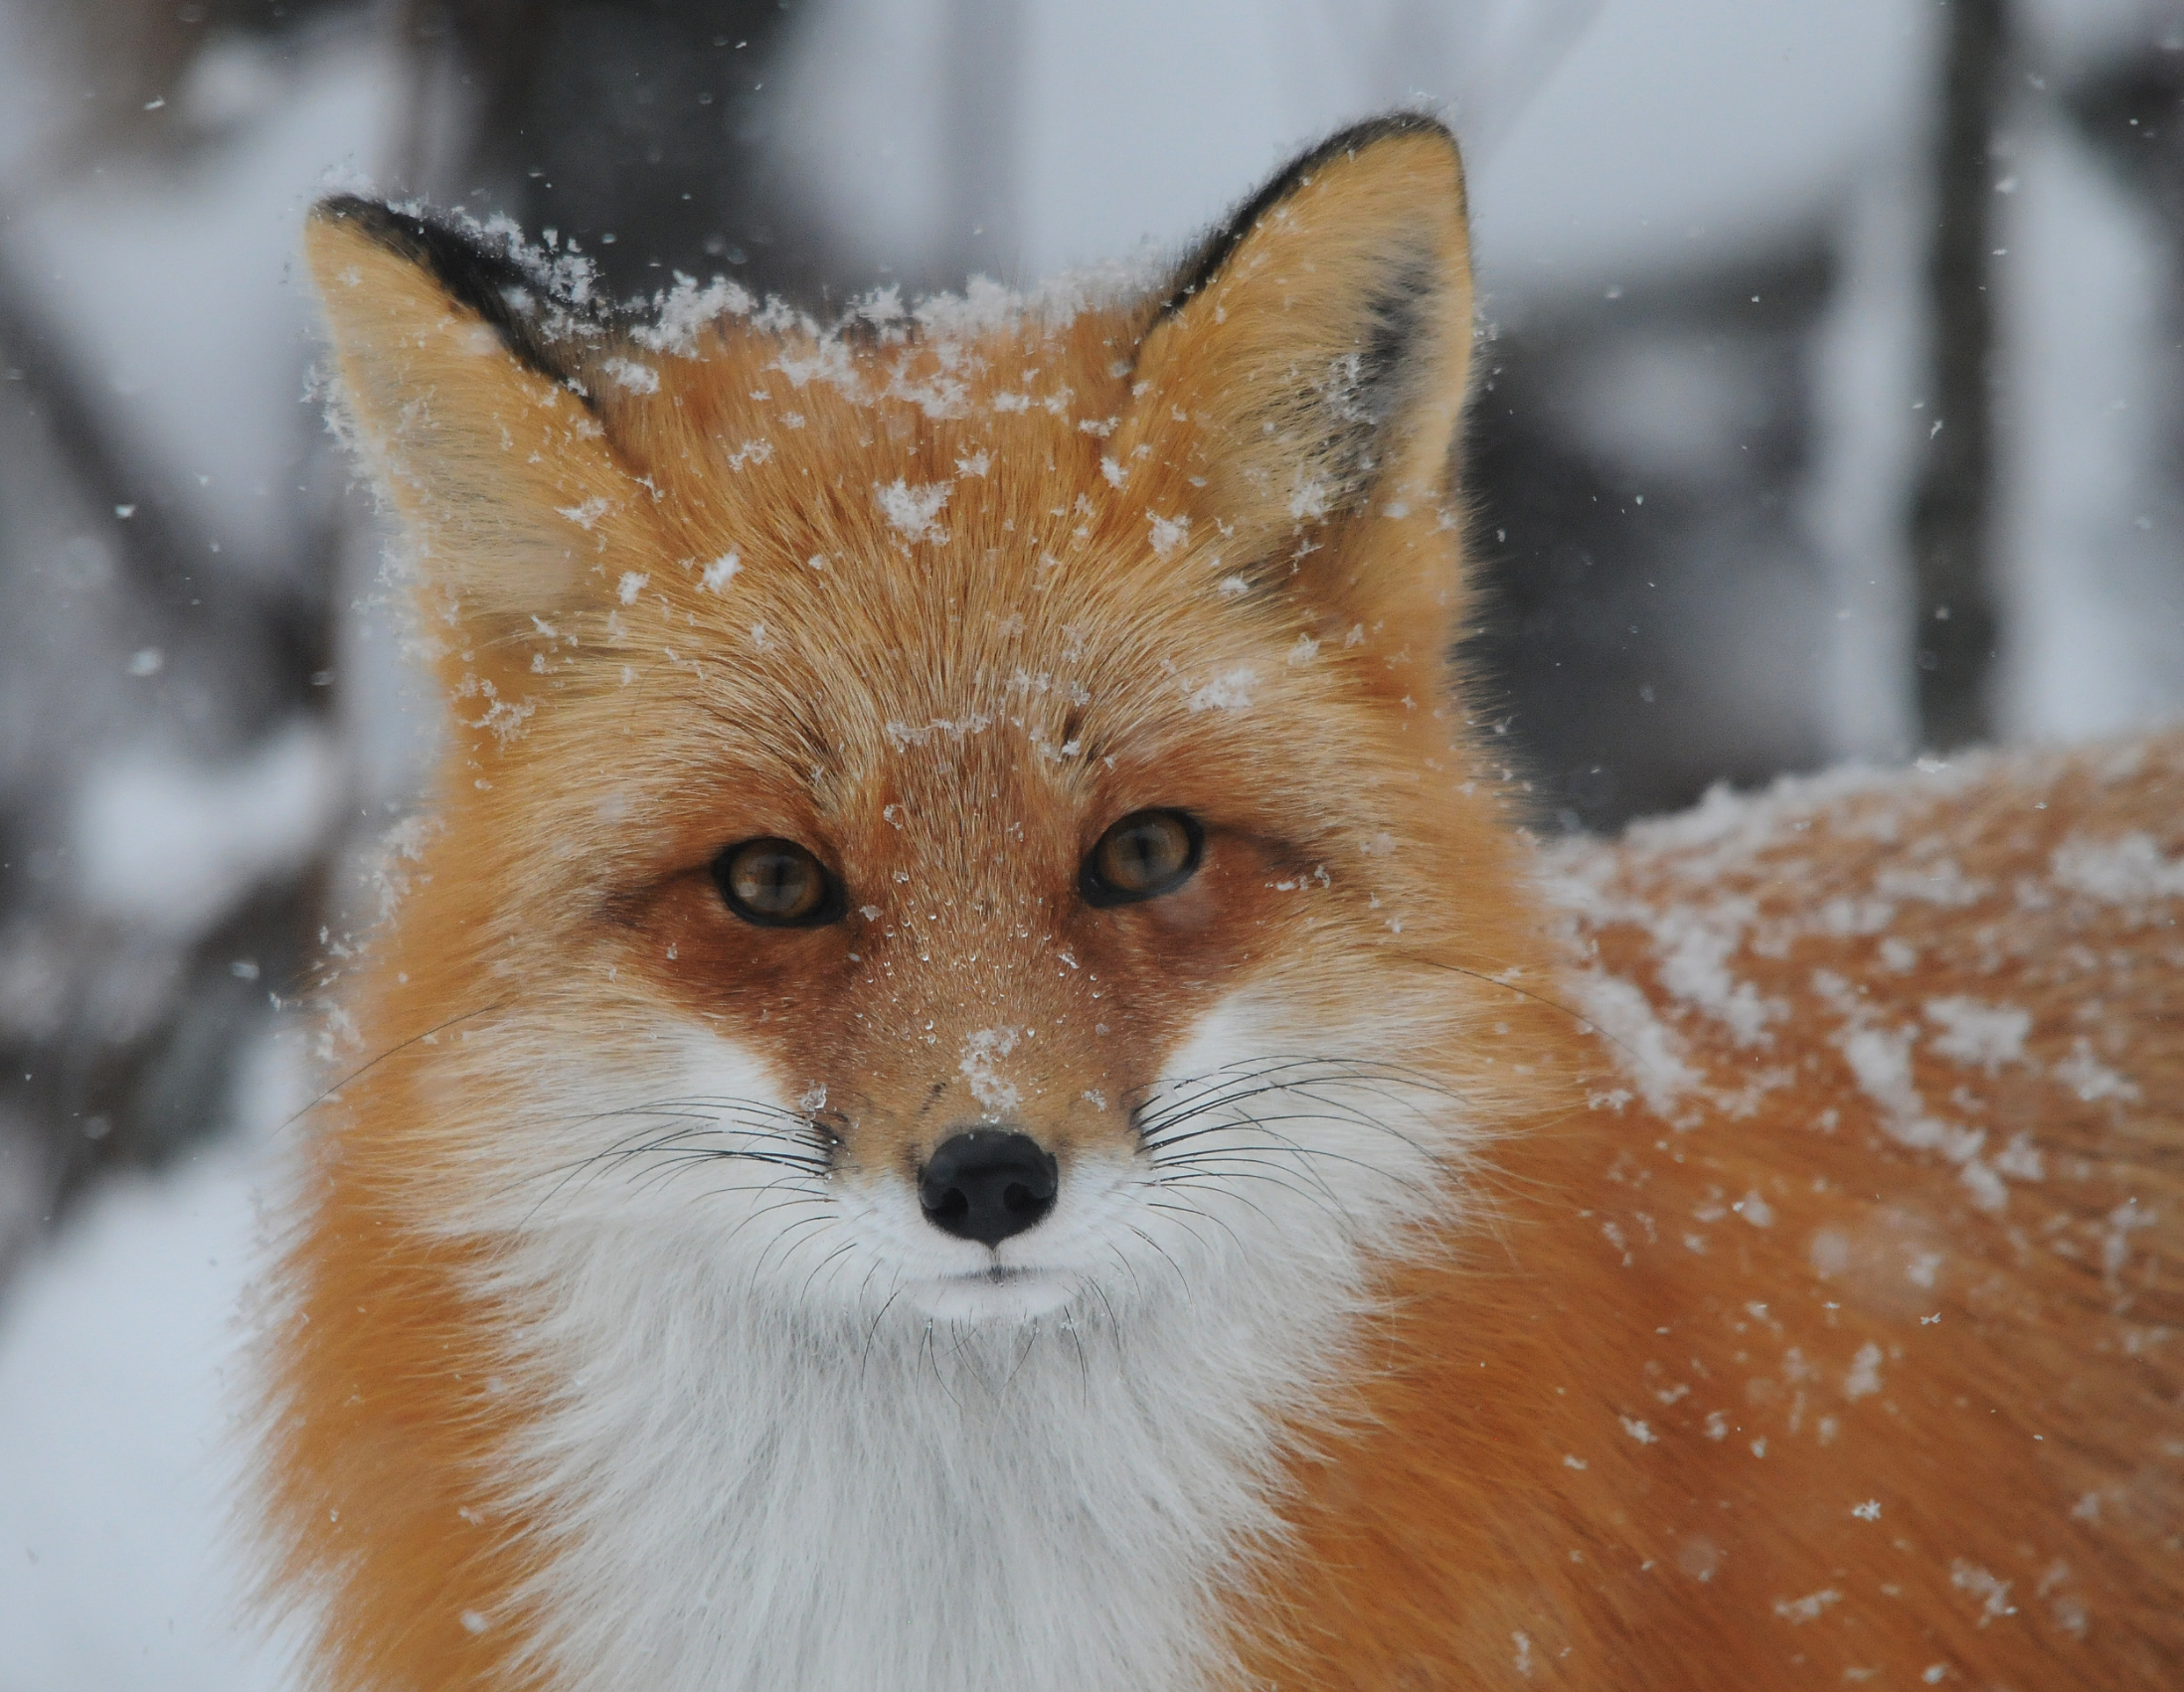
pixel 974 1086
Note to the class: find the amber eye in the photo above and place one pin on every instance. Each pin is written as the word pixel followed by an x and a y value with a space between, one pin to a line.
pixel 1146 854
pixel 776 883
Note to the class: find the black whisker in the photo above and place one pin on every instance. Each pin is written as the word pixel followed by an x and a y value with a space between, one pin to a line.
pixel 1164 1257
pixel 1256 1073
pixel 1084 1363
pixel 1161 1127
pixel 1585 1022
pixel 777 1186
pixel 363 1070
pixel 785 1236
pixel 1293 1147
pixel 669 1141
pixel 1265 1124
pixel 927 1353
pixel 1031 1339
pixel 1193 1209
pixel 1114 1322
pixel 1222 1180
pixel 872 1332
pixel 1226 1184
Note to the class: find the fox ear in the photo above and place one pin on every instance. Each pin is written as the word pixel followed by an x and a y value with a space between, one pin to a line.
pixel 463 385
pixel 1309 366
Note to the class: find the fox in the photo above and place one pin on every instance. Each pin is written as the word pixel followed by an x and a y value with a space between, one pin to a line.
pixel 976 1080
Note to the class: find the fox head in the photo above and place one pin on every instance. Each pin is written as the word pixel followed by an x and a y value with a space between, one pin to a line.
pixel 965 814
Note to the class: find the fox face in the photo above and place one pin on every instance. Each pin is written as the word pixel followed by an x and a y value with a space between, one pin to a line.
pixel 941 798
pixel 929 988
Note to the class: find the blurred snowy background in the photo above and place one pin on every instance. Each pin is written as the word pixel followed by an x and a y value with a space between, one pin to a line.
pixel 1833 410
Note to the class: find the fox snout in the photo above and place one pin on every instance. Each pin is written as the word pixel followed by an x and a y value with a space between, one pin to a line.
pixel 987 1184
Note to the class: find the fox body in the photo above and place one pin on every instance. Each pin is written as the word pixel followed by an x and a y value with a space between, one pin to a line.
pixel 974 1086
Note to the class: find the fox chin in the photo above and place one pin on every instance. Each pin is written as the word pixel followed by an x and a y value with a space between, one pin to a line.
pixel 975 1082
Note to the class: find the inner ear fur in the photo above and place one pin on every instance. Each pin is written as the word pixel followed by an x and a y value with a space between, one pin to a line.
pixel 1308 371
pixel 465 394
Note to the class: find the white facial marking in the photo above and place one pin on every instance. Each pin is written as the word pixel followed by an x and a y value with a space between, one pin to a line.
pixel 792 1435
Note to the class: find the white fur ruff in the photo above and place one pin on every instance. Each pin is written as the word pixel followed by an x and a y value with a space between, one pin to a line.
pixel 792 1438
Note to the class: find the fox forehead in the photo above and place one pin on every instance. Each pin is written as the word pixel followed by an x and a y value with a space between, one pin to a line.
pixel 948 651
pixel 974 493
pixel 838 596
pixel 915 573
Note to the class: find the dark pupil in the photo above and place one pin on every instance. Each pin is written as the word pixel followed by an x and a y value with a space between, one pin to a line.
pixel 1144 854
pixel 775 881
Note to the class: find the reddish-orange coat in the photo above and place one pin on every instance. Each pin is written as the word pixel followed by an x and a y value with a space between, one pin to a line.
pixel 1816 1326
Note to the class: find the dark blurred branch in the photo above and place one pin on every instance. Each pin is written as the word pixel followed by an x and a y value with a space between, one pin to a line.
pixel 1952 503
pixel 641 129
pixel 135 1095
pixel 131 1053
pixel 2131 110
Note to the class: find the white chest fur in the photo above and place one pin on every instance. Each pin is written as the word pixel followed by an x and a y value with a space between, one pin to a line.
pixel 734 1502
pixel 756 1466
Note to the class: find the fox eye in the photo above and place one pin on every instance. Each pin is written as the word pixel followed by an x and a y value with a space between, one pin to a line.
pixel 776 883
pixel 1146 854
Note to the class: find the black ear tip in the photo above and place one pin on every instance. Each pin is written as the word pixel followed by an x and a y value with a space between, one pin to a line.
pixel 492 285
pixel 1214 251
pixel 1388 127
pixel 1362 137
pixel 381 222
pixel 348 207
pixel 433 244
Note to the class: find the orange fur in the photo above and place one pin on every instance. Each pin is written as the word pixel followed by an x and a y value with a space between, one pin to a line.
pixel 1622 1429
pixel 1996 1489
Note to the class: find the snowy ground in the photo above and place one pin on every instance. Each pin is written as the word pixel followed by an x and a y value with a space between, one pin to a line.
pixel 118 1362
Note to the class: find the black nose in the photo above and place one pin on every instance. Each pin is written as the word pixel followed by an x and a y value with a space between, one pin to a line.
pixel 986 1184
